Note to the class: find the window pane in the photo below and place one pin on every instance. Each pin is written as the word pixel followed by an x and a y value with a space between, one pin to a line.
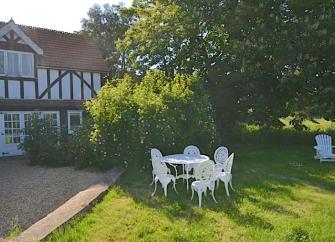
pixel 27 65
pixel 74 121
pixel 51 118
pixel 2 62
pixel 13 64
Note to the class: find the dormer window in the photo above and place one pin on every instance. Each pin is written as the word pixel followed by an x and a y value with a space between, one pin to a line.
pixel 15 63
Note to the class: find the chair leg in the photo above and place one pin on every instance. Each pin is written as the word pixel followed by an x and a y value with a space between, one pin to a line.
pixel 174 185
pixel 231 184
pixel 226 186
pixel 165 189
pixel 213 196
pixel 192 192
pixel 153 179
pixel 200 197
pixel 155 188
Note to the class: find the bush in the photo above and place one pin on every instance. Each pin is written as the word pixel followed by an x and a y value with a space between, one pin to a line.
pixel 167 113
pixel 43 143
pixel 82 151
pixel 127 119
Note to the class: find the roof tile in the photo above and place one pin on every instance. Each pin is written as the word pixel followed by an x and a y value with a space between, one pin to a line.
pixel 65 50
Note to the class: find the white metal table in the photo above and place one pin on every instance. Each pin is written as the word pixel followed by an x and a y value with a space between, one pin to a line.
pixel 185 160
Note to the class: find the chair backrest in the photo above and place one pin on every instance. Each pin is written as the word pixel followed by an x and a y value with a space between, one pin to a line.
pixel 324 142
pixel 158 167
pixel 204 171
pixel 191 150
pixel 221 155
pixel 156 154
pixel 229 163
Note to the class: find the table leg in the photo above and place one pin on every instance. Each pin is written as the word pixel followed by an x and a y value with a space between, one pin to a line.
pixel 183 171
pixel 187 169
pixel 175 169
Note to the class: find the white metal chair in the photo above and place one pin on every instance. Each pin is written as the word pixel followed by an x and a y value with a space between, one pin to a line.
pixel 205 179
pixel 156 154
pixel 220 158
pixel 226 176
pixel 191 150
pixel 161 173
pixel 324 148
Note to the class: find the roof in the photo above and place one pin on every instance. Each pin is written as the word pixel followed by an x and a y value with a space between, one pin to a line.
pixel 65 50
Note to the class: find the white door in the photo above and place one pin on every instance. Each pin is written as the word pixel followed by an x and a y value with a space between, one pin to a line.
pixel 11 124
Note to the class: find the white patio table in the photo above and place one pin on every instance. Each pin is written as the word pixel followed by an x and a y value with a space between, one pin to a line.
pixel 185 160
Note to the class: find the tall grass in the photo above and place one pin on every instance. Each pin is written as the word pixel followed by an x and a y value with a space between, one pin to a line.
pixel 253 134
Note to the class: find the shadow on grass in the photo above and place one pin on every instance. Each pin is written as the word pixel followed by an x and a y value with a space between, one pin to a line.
pixel 258 176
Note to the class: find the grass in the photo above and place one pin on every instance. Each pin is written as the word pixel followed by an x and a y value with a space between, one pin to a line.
pixel 254 134
pixel 275 200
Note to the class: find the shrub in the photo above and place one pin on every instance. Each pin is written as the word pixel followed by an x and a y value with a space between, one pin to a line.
pixel 114 116
pixel 167 113
pixel 43 143
pixel 82 151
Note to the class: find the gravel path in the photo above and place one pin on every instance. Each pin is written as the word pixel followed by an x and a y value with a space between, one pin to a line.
pixel 29 193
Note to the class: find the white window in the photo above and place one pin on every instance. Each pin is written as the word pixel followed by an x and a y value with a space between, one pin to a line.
pixel 52 117
pixel 27 65
pixel 12 128
pixel 14 63
pixel 74 120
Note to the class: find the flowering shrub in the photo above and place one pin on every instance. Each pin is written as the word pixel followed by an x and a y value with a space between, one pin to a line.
pixel 82 151
pixel 43 142
pixel 167 113
pixel 126 120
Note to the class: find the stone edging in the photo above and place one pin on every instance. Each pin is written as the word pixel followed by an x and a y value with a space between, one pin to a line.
pixel 69 209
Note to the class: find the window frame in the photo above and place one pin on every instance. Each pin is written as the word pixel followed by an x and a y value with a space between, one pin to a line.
pixel 20 54
pixel 42 115
pixel 69 112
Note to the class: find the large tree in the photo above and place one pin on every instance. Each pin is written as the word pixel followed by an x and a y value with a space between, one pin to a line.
pixel 106 25
pixel 262 59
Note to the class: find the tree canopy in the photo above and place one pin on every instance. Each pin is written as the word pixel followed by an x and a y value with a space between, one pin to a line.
pixel 261 60
pixel 106 25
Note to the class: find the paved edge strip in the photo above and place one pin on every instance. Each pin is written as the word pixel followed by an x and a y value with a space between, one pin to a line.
pixel 69 209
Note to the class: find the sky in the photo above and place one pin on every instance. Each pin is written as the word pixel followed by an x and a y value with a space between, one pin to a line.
pixel 64 15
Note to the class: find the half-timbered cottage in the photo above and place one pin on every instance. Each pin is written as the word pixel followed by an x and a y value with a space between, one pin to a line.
pixel 45 71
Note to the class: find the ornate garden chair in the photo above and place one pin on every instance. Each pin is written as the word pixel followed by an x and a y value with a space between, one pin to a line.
pixel 161 172
pixel 226 176
pixel 205 179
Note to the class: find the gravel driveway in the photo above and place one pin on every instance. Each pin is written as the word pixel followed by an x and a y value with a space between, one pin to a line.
pixel 29 193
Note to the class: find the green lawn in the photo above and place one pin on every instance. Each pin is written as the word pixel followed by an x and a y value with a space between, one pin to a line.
pixel 274 201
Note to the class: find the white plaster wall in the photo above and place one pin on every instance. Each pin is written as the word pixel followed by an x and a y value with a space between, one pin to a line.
pixel 2 89
pixel 76 88
pixel 55 88
pixel 66 88
pixel 96 81
pixel 87 90
pixel 42 81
